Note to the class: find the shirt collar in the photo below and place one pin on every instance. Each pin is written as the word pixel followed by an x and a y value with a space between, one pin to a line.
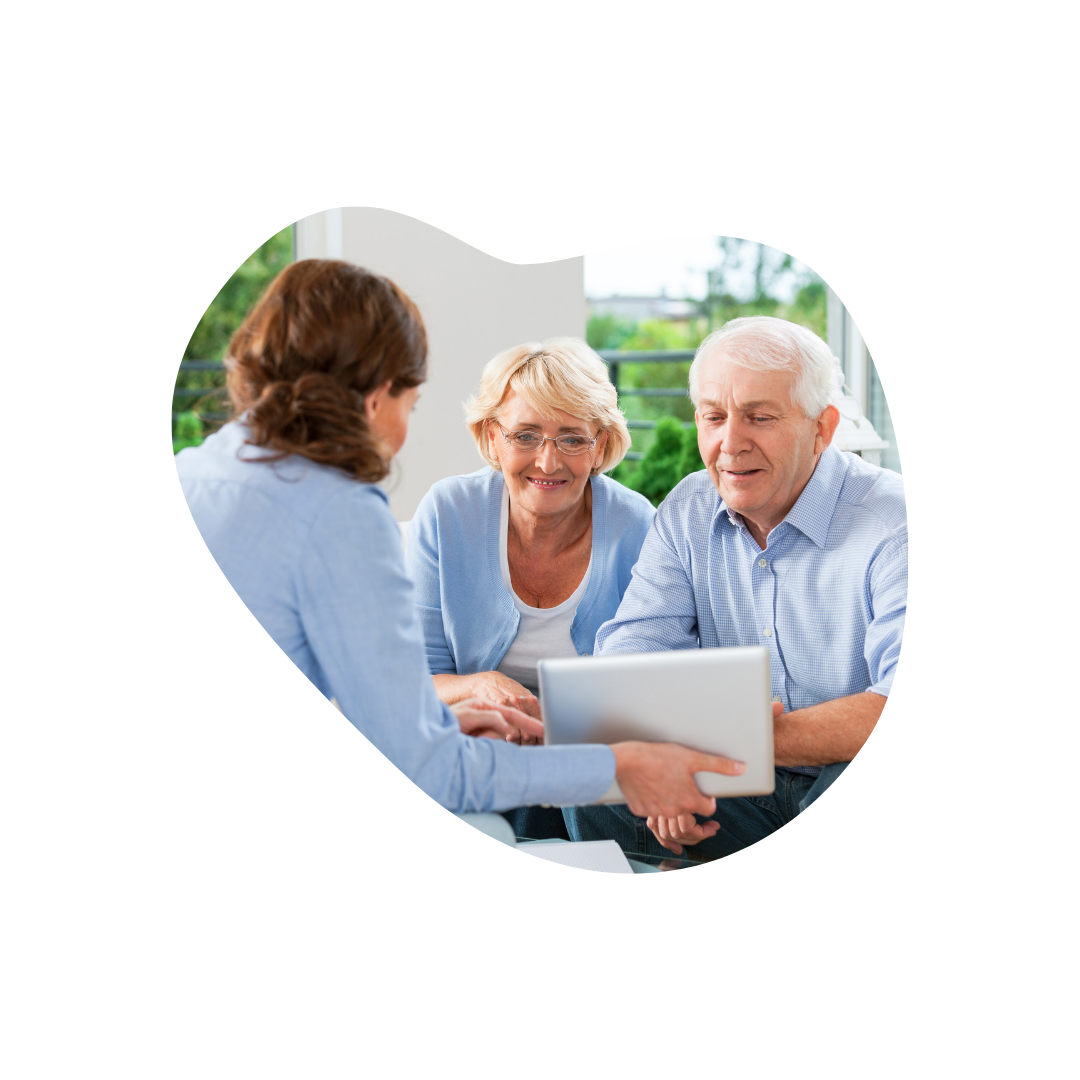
pixel 813 511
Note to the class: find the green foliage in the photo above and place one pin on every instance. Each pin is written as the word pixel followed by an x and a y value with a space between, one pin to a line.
pixel 665 334
pixel 769 268
pixel 691 457
pixel 608 332
pixel 187 431
pixel 659 334
pixel 237 297
pixel 211 337
pixel 672 454
pixel 810 308
pixel 658 472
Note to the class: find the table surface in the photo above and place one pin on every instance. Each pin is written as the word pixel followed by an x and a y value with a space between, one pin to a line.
pixel 663 863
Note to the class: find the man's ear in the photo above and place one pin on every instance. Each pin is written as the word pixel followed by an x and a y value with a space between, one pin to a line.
pixel 827 423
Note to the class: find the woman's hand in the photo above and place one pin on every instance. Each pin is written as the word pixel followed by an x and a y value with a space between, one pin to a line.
pixel 681 829
pixel 490 721
pixel 657 780
pixel 497 689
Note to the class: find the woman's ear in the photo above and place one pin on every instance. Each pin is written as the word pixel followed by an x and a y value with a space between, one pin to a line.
pixel 598 451
pixel 376 400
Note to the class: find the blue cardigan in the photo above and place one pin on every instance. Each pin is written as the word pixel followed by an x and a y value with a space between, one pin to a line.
pixel 452 554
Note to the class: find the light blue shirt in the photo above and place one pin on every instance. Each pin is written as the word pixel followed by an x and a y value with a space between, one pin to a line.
pixel 452 554
pixel 316 557
pixel 827 596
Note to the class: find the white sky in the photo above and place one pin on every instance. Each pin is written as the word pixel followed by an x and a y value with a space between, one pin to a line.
pixel 673 266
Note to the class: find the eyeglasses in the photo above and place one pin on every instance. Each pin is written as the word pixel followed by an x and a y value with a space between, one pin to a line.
pixel 530 442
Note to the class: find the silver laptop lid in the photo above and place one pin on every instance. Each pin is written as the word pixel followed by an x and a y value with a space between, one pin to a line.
pixel 714 700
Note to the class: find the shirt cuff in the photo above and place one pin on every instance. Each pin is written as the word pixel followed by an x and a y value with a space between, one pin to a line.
pixel 569 775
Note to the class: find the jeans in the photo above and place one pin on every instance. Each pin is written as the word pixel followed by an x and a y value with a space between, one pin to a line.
pixel 743 821
pixel 537 823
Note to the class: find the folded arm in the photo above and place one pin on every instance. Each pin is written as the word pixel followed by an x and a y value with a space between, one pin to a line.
pixel 827 733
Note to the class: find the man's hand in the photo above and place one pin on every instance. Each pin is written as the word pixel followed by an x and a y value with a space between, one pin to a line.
pixel 490 721
pixel 657 779
pixel 673 832
pixel 684 829
pixel 493 687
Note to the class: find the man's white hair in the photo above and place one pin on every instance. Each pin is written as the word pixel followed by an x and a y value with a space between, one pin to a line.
pixel 766 344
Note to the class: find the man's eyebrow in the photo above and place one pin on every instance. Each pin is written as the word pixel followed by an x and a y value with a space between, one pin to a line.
pixel 743 406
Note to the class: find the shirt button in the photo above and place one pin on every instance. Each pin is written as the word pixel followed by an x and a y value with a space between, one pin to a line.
pixel 763 562
pixel 768 631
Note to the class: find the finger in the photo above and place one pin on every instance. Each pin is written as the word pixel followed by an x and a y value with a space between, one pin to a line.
pixel 691 827
pixel 516 717
pixel 713 763
pixel 657 826
pixel 527 704
pixel 483 722
pixel 685 832
pixel 694 834
pixel 687 829
pixel 777 709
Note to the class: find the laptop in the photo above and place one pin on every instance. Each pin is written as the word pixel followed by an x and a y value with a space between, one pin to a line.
pixel 715 700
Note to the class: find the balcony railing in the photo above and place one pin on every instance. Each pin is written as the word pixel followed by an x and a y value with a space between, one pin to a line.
pixel 614 358
pixel 194 393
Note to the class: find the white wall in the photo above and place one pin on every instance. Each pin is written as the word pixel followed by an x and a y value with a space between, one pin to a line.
pixel 474 306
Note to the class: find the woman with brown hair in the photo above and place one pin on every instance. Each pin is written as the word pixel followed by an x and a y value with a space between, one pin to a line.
pixel 323 375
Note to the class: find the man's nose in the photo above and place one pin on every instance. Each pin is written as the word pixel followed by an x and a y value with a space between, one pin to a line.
pixel 735 438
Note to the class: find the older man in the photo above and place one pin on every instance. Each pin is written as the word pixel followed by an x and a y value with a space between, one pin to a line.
pixel 782 541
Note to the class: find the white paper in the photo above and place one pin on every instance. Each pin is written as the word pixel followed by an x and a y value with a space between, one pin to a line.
pixel 603 855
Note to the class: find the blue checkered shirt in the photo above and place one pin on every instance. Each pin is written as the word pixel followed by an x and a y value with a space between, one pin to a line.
pixel 827 595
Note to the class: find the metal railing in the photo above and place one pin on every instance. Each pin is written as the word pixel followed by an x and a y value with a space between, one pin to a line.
pixel 615 358
pixel 193 393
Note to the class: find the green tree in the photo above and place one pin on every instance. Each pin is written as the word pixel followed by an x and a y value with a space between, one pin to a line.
pixel 238 296
pixel 187 431
pixel 211 338
pixel 672 454
pixel 608 332
pixel 772 273
pixel 691 458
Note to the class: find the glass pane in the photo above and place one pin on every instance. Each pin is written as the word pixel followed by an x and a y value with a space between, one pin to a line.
pixel 877 409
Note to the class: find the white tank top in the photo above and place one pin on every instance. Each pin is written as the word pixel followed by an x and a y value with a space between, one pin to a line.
pixel 543 633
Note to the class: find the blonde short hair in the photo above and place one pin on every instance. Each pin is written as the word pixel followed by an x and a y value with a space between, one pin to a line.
pixel 561 374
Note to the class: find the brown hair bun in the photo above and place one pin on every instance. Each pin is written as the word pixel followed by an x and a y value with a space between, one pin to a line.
pixel 324 335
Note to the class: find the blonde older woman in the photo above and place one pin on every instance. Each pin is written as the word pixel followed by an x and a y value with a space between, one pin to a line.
pixel 526 558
